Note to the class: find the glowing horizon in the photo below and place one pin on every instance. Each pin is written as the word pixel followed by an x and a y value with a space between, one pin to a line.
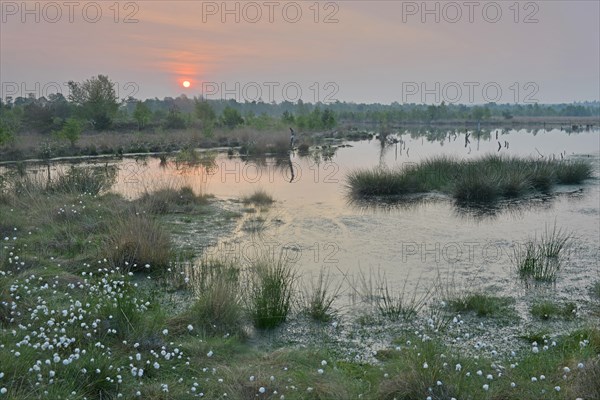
pixel 373 53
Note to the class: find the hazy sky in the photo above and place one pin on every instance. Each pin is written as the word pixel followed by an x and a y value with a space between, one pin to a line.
pixel 361 51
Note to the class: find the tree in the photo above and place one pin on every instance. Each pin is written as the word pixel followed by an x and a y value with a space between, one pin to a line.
pixel 5 135
pixel 288 117
pixel 142 114
pixel 10 122
pixel 71 131
pixel 38 116
pixel 174 119
pixel 204 111
pixel 96 99
pixel 328 118
pixel 478 113
pixel 231 117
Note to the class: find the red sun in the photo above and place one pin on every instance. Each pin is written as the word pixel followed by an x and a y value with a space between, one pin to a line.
pixel 186 84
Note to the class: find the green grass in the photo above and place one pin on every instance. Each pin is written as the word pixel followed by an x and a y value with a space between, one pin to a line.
pixel 217 308
pixel 473 186
pixel 83 180
pixel 399 304
pixel 387 300
pixel 73 181
pixel 384 182
pixel 595 290
pixel 171 199
pixel 484 305
pixel 138 243
pixel 479 181
pixel 541 259
pixel 272 286
pixel 105 324
pixel 318 298
pixel 546 310
pixel 573 172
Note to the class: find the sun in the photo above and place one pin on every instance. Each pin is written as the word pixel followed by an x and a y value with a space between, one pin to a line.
pixel 186 84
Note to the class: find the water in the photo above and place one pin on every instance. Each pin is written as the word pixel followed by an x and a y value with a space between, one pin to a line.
pixel 314 225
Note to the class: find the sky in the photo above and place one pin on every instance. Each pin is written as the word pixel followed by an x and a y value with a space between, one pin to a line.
pixel 468 52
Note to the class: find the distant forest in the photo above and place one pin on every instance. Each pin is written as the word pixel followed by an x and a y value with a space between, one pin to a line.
pixel 94 105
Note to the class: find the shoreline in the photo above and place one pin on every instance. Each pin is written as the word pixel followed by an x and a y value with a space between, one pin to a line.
pixel 28 147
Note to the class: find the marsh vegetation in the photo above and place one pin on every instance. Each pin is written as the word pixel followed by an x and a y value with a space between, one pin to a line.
pixel 483 180
pixel 97 300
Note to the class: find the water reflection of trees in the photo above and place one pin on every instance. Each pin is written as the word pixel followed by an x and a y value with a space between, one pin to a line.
pixel 285 164
pixel 441 135
pixel 191 161
pixel 319 154
pixel 514 208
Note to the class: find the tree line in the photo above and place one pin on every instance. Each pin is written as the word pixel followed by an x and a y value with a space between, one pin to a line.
pixel 94 105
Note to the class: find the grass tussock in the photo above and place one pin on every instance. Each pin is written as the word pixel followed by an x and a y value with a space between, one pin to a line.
pixel 586 382
pixel 272 286
pixel 318 298
pixel 83 180
pixel 546 310
pixel 401 304
pixel 483 305
pixel 416 373
pixel 541 259
pixel 480 181
pixel 260 198
pixel 218 305
pixel 379 294
pixel 171 199
pixel 136 241
pixel 71 181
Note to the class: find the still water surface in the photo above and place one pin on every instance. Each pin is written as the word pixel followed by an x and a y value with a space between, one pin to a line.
pixel 313 223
